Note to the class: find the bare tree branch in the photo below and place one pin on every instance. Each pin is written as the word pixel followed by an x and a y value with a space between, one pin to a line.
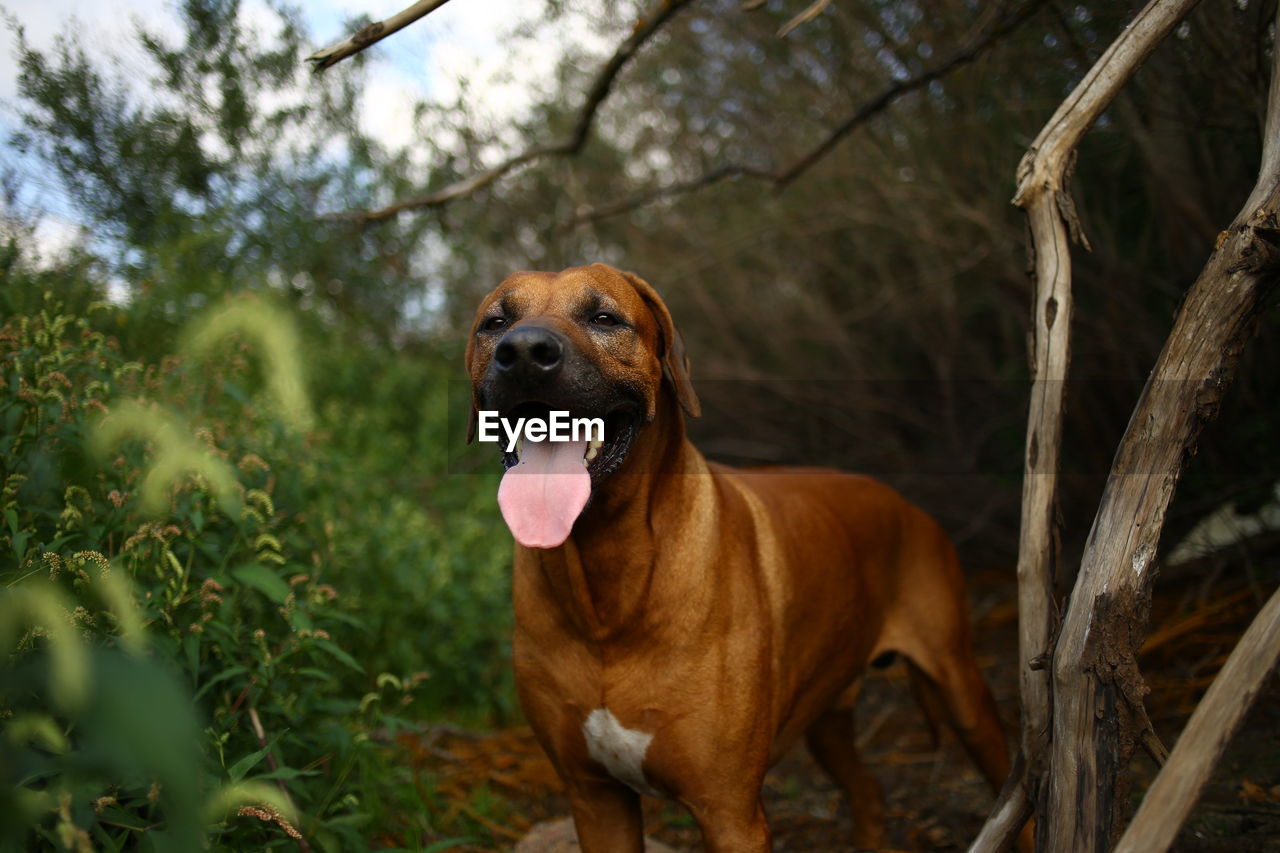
pixel 641 199
pixel 869 109
pixel 1003 24
pixel 1012 810
pixel 1095 660
pixel 372 34
pixel 1042 180
pixel 658 15
pixel 1206 735
pixel 818 7
pixel 645 28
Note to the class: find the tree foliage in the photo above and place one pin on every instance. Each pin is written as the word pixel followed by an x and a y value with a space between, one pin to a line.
pixel 871 313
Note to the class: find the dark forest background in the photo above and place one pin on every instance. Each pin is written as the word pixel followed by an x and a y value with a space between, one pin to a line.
pixel 349 580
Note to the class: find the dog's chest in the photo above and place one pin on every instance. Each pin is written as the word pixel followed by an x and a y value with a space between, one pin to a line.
pixel 620 750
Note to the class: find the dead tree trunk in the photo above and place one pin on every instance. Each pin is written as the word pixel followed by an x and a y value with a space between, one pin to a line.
pixel 1081 724
pixel 1042 191
pixel 1098 712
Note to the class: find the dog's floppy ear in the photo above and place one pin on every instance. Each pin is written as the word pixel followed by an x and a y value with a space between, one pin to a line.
pixel 474 416
pixel 675 364
pixel 472 420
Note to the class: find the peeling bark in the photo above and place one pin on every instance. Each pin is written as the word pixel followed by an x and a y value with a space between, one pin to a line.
pixel 1098 714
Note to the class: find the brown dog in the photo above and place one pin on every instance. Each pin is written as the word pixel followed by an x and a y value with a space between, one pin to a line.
pixel 697 619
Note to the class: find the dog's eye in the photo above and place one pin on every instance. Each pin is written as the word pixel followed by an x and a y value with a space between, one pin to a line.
pixel 605 319
pixel 493 324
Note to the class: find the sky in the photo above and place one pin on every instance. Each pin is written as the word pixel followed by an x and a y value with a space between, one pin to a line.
pixel 463 39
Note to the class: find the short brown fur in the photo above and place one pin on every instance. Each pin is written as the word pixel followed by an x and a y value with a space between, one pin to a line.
pixel 727 612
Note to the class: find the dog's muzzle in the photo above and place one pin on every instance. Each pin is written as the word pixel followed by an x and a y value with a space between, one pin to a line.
pixel 535 370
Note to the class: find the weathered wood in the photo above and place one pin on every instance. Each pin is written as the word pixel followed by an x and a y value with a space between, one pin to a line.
pixel 372 34
pixel 1215 720
pixel 1042 192
pixel 1010 813
pixel 1098 713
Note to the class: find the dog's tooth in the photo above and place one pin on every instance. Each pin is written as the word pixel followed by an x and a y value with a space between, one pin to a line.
pixel 597 443
pixel 591 454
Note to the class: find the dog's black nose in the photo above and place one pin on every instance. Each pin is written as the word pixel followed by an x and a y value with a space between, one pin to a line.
pixel 532 348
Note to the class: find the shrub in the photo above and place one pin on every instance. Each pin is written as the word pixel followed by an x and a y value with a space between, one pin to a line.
pixel 211 690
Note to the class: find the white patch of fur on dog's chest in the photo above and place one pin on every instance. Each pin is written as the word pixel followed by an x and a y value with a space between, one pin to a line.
pixel 620 750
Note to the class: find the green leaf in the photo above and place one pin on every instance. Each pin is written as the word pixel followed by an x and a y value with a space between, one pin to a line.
pixel 229 672
pixel 286 773
pixel 191 645
pixel 238 770
pixel 20 544
pixel 55 543
pixel 39 729
pixel 317 673
pixel 340 653
pixel 264 580
pixel 244 765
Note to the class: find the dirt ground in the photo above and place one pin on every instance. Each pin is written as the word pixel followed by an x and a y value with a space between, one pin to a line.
pixel 500 785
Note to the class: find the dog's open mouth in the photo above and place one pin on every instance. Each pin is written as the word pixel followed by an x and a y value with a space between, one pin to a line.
pixel 601 457
pixel 548 483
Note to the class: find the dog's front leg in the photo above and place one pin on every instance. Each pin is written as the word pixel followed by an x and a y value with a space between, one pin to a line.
pixel 608 818
pixel 733 826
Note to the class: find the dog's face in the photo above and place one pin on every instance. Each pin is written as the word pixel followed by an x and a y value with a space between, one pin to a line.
pixel 594 341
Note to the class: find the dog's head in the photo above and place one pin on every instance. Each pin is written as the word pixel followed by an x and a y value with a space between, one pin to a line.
pixel 593 341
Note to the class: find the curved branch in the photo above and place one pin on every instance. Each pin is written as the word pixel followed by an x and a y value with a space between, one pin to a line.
pixel 1094 664
pixel 1003 25
pixel 644 29
pixel 1042 177
pixel 646 197
pixel 372 34
pixel 869 109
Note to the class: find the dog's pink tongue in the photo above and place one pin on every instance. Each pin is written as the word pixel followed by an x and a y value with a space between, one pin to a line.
pixel 543 494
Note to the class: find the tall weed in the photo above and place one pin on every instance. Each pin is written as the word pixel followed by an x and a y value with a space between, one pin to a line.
pixel 216 609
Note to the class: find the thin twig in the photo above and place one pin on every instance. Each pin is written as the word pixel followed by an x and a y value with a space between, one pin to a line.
pixel 818 7
pixel 1153 746
pixel 869 109
pixel 372 34
pixel 641 199
pixel 657 16
pixel 1012 810
pixel 1003 25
